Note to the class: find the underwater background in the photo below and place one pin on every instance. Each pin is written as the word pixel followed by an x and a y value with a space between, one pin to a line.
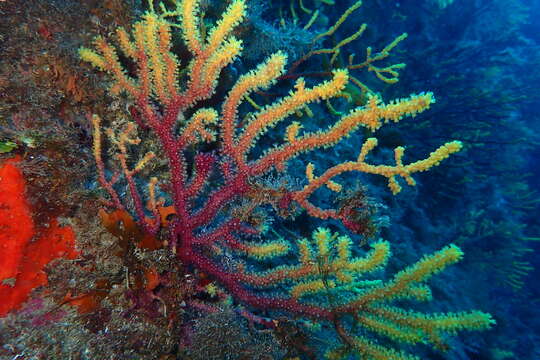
pixel 87 271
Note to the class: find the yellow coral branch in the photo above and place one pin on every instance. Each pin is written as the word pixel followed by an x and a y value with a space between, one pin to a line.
pixel 273 114
pixel 196 128
pixel 267 250
pixel 189 23
pixel 388 171
pixel 340 21
pixel 260 78
pixel 372 116
pixel 419 272
pixel 230 19
pixel 323 260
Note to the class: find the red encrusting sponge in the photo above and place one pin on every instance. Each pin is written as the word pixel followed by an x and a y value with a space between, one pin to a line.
pixel 22 256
